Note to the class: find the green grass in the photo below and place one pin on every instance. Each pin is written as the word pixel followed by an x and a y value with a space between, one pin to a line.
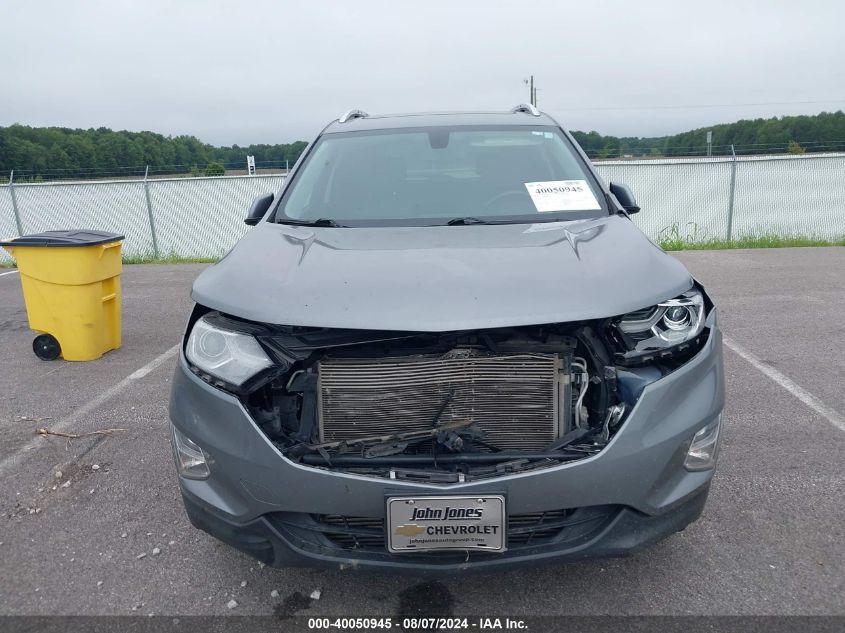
pixel 167 259
pixel 749 241
pixel 694 239
pixel 149 258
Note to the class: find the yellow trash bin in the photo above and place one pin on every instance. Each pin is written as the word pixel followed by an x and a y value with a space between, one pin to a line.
pixel 71 286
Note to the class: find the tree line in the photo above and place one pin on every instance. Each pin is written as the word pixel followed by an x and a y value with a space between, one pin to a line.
pixel 32 151
pixel 793 134
pixel 50 150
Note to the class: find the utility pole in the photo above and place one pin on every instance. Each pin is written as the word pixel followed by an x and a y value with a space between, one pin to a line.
pixel 532 91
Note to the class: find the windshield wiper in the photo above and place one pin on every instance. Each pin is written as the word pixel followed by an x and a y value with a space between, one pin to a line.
pixel 318 222
pixel 465 221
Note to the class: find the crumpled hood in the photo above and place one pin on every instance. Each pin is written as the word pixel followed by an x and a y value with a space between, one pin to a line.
pixel 436 279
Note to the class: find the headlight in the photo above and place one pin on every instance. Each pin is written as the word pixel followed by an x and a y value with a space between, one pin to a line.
pixel 233 357
pixel 667 325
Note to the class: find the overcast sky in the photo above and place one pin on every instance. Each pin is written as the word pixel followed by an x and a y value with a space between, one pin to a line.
pixel 251 71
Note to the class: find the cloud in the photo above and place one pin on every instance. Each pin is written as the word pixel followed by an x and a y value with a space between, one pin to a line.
pixel 272 72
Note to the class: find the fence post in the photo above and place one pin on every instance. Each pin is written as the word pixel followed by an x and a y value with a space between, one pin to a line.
pixel 150 212
pixel 15 202
pixel 731 197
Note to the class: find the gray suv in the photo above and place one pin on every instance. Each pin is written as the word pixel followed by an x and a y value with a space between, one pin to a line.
pixel 444 346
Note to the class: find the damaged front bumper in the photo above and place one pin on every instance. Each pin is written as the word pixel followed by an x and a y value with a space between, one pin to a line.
pixel 634 492
pixel 298 540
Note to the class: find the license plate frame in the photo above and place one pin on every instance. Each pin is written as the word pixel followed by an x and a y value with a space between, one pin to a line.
pixel 474 522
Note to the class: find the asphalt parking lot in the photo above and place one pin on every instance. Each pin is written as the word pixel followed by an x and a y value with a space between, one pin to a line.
pixel 770 542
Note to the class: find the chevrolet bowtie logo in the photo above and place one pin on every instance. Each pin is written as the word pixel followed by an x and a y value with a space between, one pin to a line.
pixel 409 529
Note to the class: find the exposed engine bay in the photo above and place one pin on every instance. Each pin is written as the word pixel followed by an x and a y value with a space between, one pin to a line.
pixel 441 407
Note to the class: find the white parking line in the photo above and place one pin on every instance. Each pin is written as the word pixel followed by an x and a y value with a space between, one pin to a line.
pixel 831 415
pixel 64 423
pixel 8 273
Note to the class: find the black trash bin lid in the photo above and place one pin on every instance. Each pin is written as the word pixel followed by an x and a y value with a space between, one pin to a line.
pixel 64 238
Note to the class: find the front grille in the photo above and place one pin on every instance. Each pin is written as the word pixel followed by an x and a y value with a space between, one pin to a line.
pixel 352 532
pixel 515 399
pixel 536 528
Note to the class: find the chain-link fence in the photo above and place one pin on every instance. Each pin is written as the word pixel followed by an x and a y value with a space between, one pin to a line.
pixel 185 217
pixel 675 193
pixel 727 198
pixel 698 199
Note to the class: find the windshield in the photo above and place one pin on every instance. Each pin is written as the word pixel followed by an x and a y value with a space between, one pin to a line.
pixel 433 175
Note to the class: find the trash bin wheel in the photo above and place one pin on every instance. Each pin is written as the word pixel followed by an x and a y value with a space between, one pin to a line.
pixel 46 347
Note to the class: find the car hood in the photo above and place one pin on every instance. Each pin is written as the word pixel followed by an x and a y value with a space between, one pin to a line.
pixel 441 278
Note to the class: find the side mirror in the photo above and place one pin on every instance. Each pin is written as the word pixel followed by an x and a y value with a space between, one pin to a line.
pixel 258 208
pixel 624 197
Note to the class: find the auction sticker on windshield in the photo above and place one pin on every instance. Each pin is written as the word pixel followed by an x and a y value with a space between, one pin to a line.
pixel 562 195
pixel 425 523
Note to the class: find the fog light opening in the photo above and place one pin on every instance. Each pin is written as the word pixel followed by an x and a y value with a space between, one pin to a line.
pixel 704 447
pixel 191 462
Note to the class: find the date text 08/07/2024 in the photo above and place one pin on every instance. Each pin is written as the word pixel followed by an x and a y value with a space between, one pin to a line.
pixel 416 623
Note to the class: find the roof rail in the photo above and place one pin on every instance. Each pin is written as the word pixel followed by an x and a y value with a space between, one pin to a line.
pixel 527 108
pixel 352 114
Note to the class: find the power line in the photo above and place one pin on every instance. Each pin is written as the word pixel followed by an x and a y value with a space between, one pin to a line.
pixel 708 105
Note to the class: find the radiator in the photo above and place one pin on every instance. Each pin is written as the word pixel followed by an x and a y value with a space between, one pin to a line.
pixel 520 401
